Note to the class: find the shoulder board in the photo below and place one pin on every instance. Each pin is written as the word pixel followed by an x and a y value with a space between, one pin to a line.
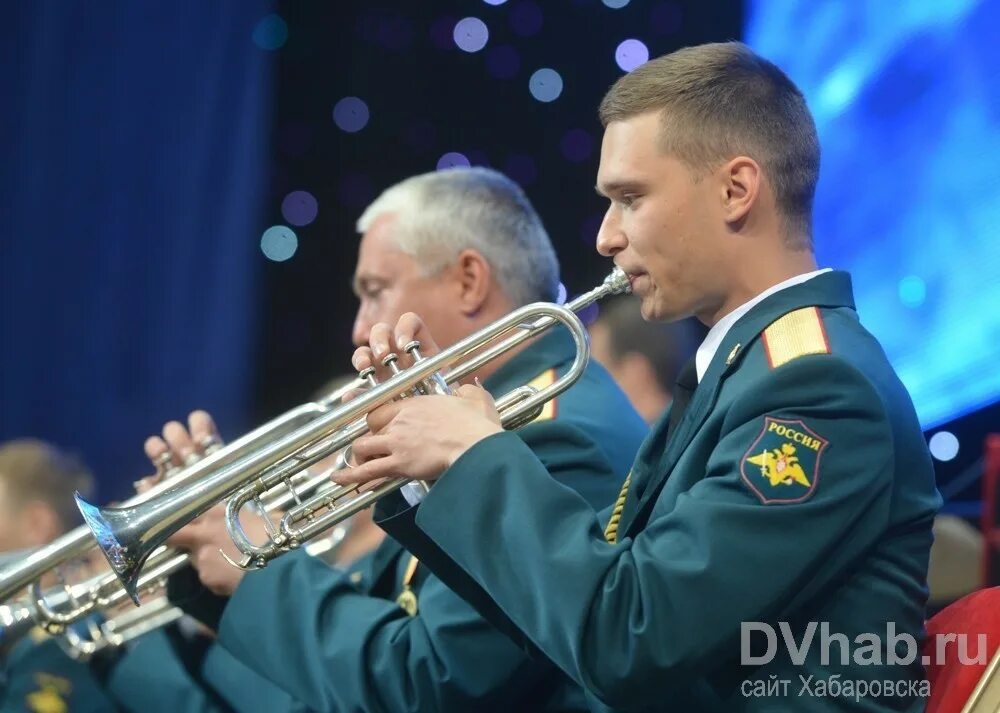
pixel 795 334
pixel 546 378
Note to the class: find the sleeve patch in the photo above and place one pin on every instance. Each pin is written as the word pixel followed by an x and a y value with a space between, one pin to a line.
pixel 546 378
pixel 782 464
pixel 795 334
pixel 50 696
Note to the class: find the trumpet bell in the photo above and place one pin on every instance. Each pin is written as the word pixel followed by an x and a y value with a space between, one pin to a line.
pixel 116 535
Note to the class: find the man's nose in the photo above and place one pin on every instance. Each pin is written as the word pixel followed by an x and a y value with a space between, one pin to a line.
pixel 610 238
pixel 359 334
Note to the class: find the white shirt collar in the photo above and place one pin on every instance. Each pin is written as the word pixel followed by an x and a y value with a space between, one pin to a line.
pixel 717 333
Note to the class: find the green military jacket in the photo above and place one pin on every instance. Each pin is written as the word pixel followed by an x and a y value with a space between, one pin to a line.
pixel 797 490
pixel 39 676
pixel 244 690
pixel 157 674
pixel 161 671
pixel 339 641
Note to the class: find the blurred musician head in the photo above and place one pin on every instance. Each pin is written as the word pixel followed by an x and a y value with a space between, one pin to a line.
pixel 37 483
pixel 643 357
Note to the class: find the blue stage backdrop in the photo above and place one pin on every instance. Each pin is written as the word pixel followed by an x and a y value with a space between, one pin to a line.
pixel 907 102
pixel 134 139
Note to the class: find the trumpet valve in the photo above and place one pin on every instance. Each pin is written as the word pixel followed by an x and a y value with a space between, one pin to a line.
pixel 389 360
pixel 413 349
pixel 368 375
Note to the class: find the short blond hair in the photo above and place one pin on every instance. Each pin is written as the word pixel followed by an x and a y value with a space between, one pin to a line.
pixel 32 470
pixel 722 100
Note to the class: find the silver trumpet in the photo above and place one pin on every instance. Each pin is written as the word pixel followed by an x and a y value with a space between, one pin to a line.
pixel 119 630
pixel 56 610
pixel 91 637
pixel 129 535
pixel 79 541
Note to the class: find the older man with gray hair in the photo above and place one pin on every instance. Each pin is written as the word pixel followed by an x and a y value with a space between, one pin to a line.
pixel 462 248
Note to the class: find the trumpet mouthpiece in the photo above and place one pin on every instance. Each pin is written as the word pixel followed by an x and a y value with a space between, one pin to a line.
pixel 617 282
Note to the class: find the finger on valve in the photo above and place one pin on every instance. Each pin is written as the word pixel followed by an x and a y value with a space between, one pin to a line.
pixel 363 362
pixel 204 432
pixel 384 353
pixel 180 443
pixel 409 329
pixel 163 463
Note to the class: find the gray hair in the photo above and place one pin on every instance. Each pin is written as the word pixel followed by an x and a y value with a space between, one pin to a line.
pixel 439 214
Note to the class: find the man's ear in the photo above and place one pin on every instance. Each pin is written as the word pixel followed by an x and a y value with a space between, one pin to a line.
pixel 475 278
pixel 740 187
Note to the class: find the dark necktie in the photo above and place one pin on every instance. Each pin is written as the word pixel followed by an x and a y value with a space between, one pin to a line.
pixel 687 382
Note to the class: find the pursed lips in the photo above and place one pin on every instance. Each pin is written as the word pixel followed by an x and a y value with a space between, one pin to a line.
pixel 633 276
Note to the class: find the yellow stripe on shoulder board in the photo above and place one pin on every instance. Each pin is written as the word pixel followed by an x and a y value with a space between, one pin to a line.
pixel 796 334
pixel 546 378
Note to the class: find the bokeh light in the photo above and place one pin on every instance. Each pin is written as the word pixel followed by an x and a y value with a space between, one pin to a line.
pixel 503 62
pixel 350 114
pixel 561 295
pixel 526 18
pixel 271 33
pixel 631 54
pixel 494 2
pixel 452 159
pixel 943 445
pixel 299 208
pixel 912 291
pixel 545 85
pixel 615 4
pixel 279 243
pixel 471 34
pixel 577 145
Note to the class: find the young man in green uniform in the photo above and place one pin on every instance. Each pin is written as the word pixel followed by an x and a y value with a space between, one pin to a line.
pixel 788 489
pixel 465 247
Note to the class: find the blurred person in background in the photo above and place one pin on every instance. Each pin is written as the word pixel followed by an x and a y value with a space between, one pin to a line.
pixel 37 483
pixel 644 358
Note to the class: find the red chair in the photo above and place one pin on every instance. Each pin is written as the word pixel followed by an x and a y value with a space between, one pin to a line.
pixel 958 687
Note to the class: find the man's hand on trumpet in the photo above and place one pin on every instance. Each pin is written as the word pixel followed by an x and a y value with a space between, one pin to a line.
pixel 206 536
pixel 416 437
pixel 179 446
